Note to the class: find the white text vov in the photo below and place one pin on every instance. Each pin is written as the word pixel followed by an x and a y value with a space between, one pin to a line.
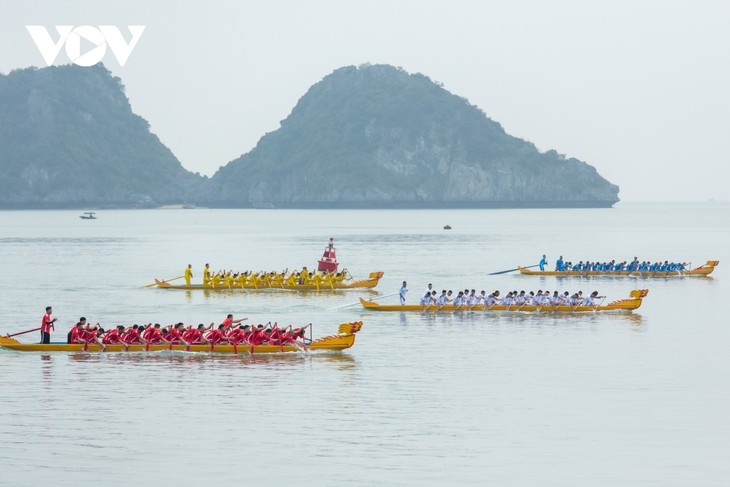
pixel 99 37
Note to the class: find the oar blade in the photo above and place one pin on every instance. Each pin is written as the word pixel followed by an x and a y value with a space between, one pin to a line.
pixel 512 270
pixel 163 280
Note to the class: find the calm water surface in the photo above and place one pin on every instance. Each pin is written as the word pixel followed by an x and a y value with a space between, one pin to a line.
pixel 421 399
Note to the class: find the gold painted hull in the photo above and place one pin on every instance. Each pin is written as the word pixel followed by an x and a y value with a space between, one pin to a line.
pixel 629 304
pixel 703 270
pixel 370 282
pixel 342 341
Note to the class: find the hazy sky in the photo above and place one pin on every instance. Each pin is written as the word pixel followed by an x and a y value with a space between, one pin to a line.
pixel 638 89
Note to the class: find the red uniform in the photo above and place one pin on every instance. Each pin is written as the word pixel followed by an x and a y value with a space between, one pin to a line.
pixel 236 336
pixel 46 324
pixel 192 335
pixel 111 337
pixel 227 323
pixel 131 336
pixel 275 336
pixel 88 336
pixel 257 337
pixel 173 336
pixel 214 336
pixel 77 335
pixel 152 335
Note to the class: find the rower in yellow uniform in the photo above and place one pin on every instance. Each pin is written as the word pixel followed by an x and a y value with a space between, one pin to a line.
pixel 188 274
pixel 216 280
pixel 303 275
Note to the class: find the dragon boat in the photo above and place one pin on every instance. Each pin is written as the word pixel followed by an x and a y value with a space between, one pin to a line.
pixel 344 339
pixel 631 303
pixel 324 284
pixel 703 270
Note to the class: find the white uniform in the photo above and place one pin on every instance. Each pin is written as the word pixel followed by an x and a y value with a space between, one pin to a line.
pixel 402 293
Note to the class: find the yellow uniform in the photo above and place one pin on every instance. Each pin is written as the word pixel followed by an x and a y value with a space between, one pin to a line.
pixel 188 275
pixel 206 275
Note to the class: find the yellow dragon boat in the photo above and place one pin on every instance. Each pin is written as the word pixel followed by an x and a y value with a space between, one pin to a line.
pixel 344 339
pixel 703 270
pixel 323 284
pixel 631 303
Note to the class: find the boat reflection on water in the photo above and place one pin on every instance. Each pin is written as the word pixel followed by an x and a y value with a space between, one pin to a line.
pixel 518 319
pixel 184 359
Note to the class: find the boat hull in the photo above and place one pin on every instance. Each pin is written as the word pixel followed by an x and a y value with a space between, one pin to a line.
pixel 703 270
pixel 368 283
pixel 629 304
pixel 342 341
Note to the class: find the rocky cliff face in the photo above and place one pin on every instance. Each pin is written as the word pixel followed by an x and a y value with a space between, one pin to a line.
pixel 376 136
pixel 68 138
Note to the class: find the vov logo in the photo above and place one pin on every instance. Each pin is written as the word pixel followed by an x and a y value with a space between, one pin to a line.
pixel 97 37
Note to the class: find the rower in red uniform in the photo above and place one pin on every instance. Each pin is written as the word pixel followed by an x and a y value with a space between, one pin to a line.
pixel 236 336
pixel 215 336
pixel 258 335
pixel 195 335
pixel 131 335
pixel 173 335
pixel 92 334
pixel 274 335
pixel 77 332
pixel 113 335
pixel 152 334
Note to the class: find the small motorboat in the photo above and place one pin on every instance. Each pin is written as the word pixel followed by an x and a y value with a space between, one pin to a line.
pixel 89 215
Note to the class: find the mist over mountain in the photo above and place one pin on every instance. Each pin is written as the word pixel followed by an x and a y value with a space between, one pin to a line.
pixel 376 136
pixel 68 138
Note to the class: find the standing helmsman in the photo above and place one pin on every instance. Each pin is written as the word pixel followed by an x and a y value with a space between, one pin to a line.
pixel 47 325
pixel 206 275
pixel 402 293
pixel 188 274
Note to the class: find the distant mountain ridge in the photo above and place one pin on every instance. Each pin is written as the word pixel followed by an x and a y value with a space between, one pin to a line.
pixel 375 136
pixel 69 138
pixel 372 136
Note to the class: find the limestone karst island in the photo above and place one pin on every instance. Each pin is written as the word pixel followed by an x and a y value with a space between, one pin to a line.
pixel 372 136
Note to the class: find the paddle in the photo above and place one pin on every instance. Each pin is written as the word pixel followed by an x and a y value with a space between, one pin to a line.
pixel 22 332
pixel 164 280
pixel 512 270
pixel 353 304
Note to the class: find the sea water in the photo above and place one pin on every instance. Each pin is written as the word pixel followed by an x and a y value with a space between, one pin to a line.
pixel 421 399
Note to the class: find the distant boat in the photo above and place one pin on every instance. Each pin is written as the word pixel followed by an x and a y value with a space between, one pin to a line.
pixel 89 215
pixel 447 227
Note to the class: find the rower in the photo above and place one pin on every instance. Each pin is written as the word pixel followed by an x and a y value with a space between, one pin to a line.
pixel 77 332
pixel 215 336
pixel 131 335
pixel 173 335
pixel 591 300
pixel 113 335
